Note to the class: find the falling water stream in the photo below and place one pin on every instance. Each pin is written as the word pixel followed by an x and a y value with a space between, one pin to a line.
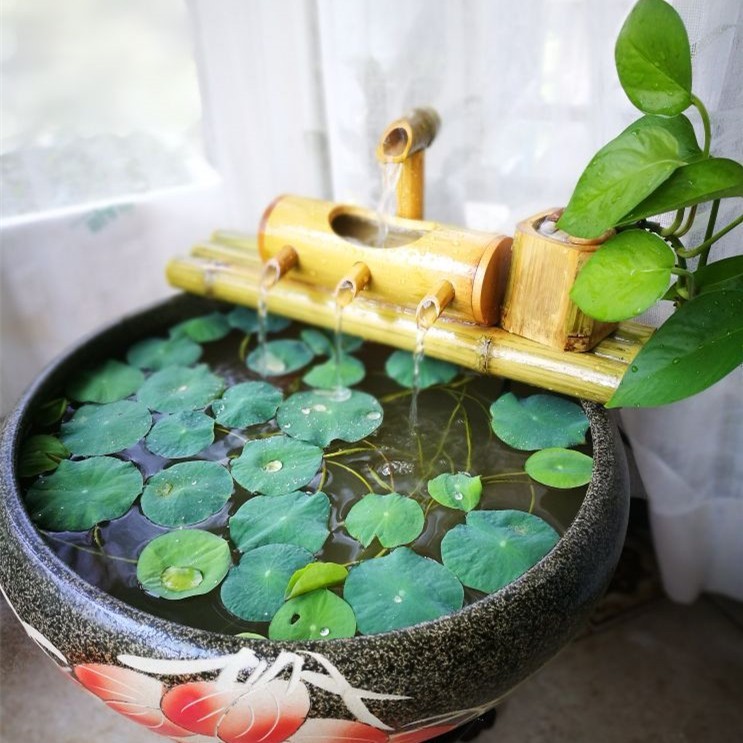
pixel 387 205
pixel 269 277
pixel 425 317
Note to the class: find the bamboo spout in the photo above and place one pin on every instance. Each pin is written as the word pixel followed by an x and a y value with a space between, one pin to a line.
pixel 352 283
pixel 277 266
pixel 432 305
pixel 404 141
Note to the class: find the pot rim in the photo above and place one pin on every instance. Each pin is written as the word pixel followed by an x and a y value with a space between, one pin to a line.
pixel 595 506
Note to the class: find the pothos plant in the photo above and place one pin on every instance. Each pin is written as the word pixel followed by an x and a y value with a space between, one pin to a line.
pixel 655 167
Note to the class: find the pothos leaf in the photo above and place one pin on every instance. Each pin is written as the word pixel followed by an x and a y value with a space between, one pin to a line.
pixel 705 180
pixel 41 453
pixel 697 346
pixel 635 264
pixel 620 175
pixel 315 575
pixel 653 59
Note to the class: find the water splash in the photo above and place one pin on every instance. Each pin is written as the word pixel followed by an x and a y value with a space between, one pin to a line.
pixel 387 206
pixel 269 277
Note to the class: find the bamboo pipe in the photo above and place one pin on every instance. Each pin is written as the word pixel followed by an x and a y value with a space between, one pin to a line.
pixel 405 141
pixel 592 376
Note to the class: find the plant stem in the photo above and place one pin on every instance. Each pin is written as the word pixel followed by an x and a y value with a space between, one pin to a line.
pixel 687 290
pixel 710 229
pixel 689 222
pixel 354 473
pixel 694 252
pixel 703 113
pixel 671 229
pixel 89 550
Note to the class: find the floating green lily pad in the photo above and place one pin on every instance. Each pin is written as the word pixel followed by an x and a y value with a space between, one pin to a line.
pixel 276 465
pixel 328 376
pixel 211 327
pixel 507 543
pixel 254 590
pixel 158 353
pixel 107 382
pixel 400 590
pixel 399 367
pixel 295 518
pixel 105 429
pixel 322 416
pixel 279 358
pixel 315 575
pixel 323 344
pixel 41 453
pixel 246 320
pixel 247 404
pixel 560 468
pixel 181 434
pixel 456 490
pixel 81 494
pixel 181 388
pixel 183 563
pixel 320 615
pixel 186 493
pixel 393 519
pixel 538 421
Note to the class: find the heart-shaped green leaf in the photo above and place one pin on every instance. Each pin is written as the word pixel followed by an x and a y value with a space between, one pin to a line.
pixel 183 563
pixel 653 59
pixel 254 590
pixel 697 346
pixel 159 353
pixel 320 615
pixel 724 274
pixel 279 357
pixel 538 421
pixel 211 327
pixel 181 434
pixel 315 575
pixel 246 320
pixel 41 453
pixel 705 180
pixel 620 175
pixel 50 412
pixel 105 429
pixel 323 416
pixel 186 493
pixel 399 366
pixel 507 543
pixel 400 590
pixel 81 494
pixel 460 490
pixel 393 519
pixel 179 388
pixel 329 375
pixel 679 127
pixel 295 518
pixel 560 468
pixel 107 382
pixel 636 265
pixel 247 404
pixel 276 465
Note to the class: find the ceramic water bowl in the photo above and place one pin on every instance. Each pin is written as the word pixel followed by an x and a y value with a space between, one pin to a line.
pixel 402 686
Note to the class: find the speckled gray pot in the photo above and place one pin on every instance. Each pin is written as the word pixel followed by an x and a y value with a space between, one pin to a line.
pixel 403 686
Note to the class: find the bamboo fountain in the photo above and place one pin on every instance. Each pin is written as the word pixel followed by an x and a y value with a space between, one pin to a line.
pixel 500 306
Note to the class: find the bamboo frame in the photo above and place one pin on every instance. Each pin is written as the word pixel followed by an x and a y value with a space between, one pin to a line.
pixel 228 268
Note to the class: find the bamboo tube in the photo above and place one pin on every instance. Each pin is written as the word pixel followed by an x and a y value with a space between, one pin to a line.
pixel 593 375
pixel 330 238
pixel 405 141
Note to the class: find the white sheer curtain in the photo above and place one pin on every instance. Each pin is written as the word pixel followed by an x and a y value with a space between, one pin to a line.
pixel 299 92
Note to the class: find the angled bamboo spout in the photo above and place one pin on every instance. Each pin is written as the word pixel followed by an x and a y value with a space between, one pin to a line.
pixel 405 141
